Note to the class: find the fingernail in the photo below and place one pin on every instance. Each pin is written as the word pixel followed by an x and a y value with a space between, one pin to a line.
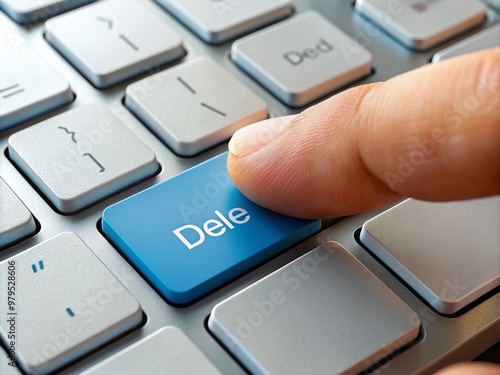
pixel 254 137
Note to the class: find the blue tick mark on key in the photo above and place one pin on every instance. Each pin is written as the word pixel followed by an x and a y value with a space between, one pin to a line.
pixel 70 312
pixel 196 231
pixel 34 268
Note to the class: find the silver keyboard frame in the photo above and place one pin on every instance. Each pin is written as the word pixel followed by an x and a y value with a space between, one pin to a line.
pixel 443 340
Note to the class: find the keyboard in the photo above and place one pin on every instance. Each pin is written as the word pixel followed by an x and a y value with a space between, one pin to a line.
pixel 126 248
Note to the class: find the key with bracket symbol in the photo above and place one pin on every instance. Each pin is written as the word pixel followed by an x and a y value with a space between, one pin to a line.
pixel 73 138
pixel 81 156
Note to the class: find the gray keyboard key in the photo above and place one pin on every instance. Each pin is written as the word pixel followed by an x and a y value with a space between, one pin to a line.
pixel 166 351
pixel 8 361
pixel 324 313
pixel 24 11
pixel 122 38
pixel 16 220
pixel 318 59
pixel 449 253
pixel 218 21
pixel 28 85
pixel 194 106
pixel 494 3
pixel 421 25
pixel 488 38
pixel 61 303
pixel 81 156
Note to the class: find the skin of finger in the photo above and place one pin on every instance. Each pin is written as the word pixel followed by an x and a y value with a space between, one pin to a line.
pixel 289 174
pixel 473 368
pixel 443 141
pixel 331 160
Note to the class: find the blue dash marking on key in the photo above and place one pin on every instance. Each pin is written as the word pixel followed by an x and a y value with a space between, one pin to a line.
pixel 40 263
pixel 34 268
pixel 70 312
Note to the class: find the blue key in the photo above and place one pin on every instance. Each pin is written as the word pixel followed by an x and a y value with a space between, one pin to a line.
pixel 196 231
